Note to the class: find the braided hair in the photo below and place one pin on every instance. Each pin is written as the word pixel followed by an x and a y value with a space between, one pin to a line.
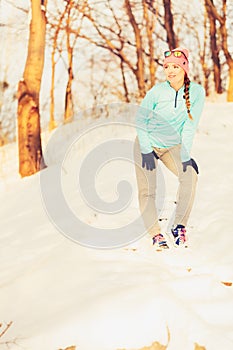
pixel 186 95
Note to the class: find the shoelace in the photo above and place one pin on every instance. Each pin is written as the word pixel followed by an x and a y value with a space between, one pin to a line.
pixel 180 236
pixel 160 240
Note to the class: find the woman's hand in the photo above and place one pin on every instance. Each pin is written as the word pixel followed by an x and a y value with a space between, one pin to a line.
pixel 148 160
pixel 192 163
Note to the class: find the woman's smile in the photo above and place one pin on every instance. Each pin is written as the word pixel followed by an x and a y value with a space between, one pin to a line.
pixel 174 74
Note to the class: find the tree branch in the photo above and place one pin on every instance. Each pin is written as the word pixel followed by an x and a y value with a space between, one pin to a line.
pixel 6 328
pixel 214 11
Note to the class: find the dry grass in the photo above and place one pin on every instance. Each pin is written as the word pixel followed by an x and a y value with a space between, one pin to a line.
pixel 154 346
pixel 158 346
pixel 198 347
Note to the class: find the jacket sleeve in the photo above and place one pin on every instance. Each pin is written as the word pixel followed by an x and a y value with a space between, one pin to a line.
pixel 142 119
pixel 190 126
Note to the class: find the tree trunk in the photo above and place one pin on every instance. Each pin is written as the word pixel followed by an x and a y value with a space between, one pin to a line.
pixel 230 84
pixel 124 83
pixel 214 51
pixel 168 23
pixel 205 68
pixel 223 29
pixel 229 58
pixel 68 97
pixel 150 26
pixel 52 123
pixel 29 139
pixel 69 112
pixel 139 71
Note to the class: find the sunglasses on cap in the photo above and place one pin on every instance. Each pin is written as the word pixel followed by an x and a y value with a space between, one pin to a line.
pixel 175 53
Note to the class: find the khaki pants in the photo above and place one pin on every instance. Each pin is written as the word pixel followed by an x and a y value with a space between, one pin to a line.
pixel 146 181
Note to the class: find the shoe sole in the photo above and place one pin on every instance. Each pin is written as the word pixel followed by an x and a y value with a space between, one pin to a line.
pixel 161 247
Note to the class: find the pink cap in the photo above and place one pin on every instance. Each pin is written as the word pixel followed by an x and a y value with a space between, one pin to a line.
pixel 182 61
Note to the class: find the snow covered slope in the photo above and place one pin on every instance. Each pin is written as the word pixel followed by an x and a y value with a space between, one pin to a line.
pixel 60 293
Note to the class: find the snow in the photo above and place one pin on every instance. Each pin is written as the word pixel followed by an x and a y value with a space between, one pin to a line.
pixel 60 293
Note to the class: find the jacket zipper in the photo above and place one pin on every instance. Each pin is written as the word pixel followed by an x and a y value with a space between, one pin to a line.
pixel 176 99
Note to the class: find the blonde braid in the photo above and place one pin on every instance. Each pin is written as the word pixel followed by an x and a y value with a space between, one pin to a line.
pixel 186 95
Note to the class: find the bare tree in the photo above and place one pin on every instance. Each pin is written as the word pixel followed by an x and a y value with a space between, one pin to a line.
pixel 57 27
pixel 203 54
pixel 222 19
pixel 214 47
pixel 68 114
pixel 64 39
pixel 150 19
pixel 4 327
pixel 139 70
pixel 201 68
pixel 126 37
pixel 71 39
pixel 169 25
pixel 29 138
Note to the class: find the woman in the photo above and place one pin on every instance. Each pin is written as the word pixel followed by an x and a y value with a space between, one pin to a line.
pixel 166 125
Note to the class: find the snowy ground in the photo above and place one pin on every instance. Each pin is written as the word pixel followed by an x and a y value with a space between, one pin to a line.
pixel 59 293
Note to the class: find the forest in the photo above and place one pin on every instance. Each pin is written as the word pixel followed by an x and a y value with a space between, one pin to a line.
pixel 77 268
pixel 61 57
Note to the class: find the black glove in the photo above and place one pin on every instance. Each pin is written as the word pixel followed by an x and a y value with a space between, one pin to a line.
pixel 148 160
pixel 192 163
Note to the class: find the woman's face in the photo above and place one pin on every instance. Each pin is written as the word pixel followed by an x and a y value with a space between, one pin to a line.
pixel 174 73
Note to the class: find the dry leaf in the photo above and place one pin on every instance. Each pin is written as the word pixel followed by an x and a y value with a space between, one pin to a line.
pixel 198 347
pixel 228 284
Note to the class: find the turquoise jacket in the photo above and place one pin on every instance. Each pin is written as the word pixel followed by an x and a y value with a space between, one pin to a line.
pixel 162 119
